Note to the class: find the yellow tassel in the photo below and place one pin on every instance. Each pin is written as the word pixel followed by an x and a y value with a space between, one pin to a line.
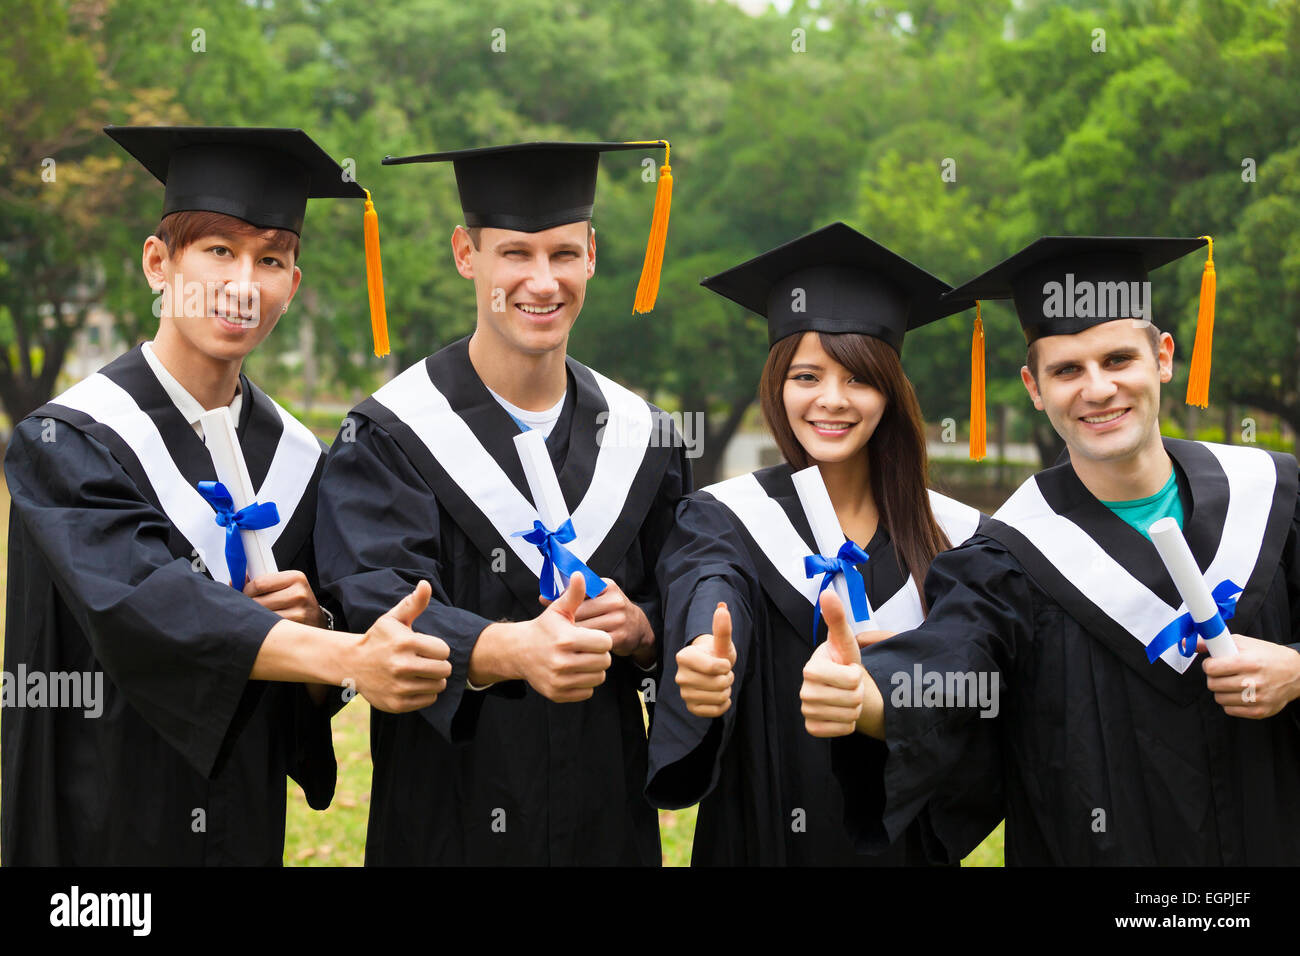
pixel 1198 378
pixel 647 289
pixel 375 280
pixel 978 420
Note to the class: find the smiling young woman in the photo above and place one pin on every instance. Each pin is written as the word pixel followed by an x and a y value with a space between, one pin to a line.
pixel 728 731
pixel 894 447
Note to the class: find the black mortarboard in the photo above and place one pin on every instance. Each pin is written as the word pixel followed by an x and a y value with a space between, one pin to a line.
pixel 531 187
pixel 527 187
pixel 262 176
pixel 1062 285
pixel 1051 276
pixel 837 280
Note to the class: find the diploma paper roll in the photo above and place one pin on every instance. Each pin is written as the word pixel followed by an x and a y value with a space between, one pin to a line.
pixel 1177 556
pixel 543 484
pixel 816 502
pixel 228 458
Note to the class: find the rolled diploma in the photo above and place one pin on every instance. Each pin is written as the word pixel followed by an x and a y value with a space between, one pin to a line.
pixel 816 501
pixel 1177 556
pixel 228 459
pixel 543 484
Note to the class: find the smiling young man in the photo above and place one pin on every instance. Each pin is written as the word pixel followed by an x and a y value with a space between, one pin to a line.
pixel 536 753
pixel 1108 745
pixel 195 700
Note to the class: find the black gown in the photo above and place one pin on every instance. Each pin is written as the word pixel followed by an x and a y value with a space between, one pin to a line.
pixel 1095 756
pixel 766 792
pixel 501 776
pixel 108 553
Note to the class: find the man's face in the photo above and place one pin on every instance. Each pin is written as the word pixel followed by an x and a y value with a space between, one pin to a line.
pixel 1100 388
pixel 529 285
pixel 224 293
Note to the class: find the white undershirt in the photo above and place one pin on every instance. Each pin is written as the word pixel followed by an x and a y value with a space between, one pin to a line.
pixel 542 421
pixel 185 403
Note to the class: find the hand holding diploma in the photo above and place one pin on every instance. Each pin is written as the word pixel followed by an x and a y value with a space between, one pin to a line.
pixel 704 668
pixel 1205 614
pixel 288 594
pixel 1257 681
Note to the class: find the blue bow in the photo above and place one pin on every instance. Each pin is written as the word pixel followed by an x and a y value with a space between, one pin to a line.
pixel 843 563
pixel 252 518
pixel 556 555
pixel 1183 631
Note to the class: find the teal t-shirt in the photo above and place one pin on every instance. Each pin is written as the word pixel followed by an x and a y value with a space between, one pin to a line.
pixel 1141 513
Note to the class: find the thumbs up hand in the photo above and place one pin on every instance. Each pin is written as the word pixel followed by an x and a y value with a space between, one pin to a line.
pixel 563 660
pixel 396 668
pixel 704 668
pixel 834 681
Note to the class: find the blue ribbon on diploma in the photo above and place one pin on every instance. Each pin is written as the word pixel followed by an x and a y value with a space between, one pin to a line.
pixel 844 563
pixel 556 555
pixel 255 517
pixel 1183 631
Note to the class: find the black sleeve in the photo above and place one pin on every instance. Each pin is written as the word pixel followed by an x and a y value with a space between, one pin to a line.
pixel 377 536
pixel 653 540
pixel 704 561
pixel 943 755
pixel 179 645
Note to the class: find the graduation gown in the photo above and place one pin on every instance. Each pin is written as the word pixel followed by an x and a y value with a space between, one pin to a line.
pixel 425 483
pixel 117 571
pixel 1095 756
pixel 765 788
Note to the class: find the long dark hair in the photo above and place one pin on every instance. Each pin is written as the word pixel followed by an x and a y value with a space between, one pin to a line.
pixel 896 450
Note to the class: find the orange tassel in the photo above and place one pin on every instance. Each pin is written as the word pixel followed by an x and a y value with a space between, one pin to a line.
pixel 647 289
pixel 375 280
pixel 978 417
pixel 1198 378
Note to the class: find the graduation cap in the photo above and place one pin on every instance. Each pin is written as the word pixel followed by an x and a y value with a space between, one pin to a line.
pixel 531 187
pixel 838 280
pixel 1062 285
pixel 263 176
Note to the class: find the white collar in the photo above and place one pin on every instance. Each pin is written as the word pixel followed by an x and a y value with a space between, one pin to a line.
pixel 185 403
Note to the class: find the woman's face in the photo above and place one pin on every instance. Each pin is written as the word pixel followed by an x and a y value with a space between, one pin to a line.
pixel 833 415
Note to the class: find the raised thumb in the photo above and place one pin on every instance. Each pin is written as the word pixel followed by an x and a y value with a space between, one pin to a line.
pixel 844 646
pixel 721 631
pixel 573 596
pixel 412 606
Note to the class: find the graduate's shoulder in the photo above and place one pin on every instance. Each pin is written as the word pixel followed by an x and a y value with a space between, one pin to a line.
pixel 772 481
pixel 55 459
pixel 957 519
pixel 984 549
